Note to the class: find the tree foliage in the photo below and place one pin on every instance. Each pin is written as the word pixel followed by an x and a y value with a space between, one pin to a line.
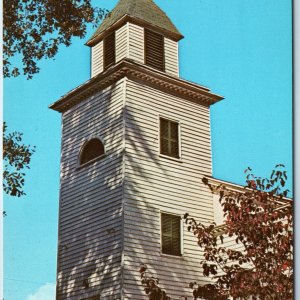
pixel 259 219
pixel 16 157
pixel 151 286
pixel 35 29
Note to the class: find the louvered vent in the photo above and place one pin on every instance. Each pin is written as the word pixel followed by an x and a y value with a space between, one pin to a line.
pixel 154 50
pixel 109 50
pixel 169 138
pixel 171 234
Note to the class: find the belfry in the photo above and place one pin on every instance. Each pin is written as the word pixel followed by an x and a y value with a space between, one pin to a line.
pixel 135 145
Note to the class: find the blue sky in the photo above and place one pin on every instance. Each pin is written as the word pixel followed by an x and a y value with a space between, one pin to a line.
pixel 240 49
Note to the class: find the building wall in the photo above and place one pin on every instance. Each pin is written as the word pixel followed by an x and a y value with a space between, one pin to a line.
pixel 90 226
pixel 136 43
pixel 171 57
pixel 122 42
pixel 97 59
pixel 218 210
pixel 155 184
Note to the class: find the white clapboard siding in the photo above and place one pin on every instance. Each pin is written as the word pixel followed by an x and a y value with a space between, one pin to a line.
pixel 155 184
pixel 110 210
pixel 228 242
pixel 122 43
pixel 136 43
pixel 218 210
pixel 90 226
pixel 97 59
pixel 171 57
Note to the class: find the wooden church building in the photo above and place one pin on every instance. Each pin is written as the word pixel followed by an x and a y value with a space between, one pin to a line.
pixel 135 145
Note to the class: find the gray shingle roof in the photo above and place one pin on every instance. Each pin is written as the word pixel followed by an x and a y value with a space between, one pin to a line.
pixel 145 10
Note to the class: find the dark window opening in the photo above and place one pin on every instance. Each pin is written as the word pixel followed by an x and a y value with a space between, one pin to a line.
pixel 169 138
pixel 109 49
pixel 92 298
pixel 91 150
pixel 171 234
pixel 154 50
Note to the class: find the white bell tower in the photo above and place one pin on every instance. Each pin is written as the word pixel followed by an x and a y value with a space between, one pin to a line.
pixel 135 144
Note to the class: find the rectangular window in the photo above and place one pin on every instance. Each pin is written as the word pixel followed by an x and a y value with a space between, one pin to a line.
pixel 171 234
pixel 154 50
pixel 169 138
pixel 109 48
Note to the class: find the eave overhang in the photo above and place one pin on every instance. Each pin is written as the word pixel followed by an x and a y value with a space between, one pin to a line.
pixel 134 20
pixel 141 73
pixel 241 189
pixel 282 202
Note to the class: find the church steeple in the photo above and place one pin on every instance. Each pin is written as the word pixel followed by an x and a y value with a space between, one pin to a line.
pixel 135 143
pixel 137 30
pixel 137 11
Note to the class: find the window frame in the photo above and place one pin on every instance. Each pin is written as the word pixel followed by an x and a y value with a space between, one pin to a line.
pixel 163 47
pixel 79 165
pixel 179 159
pixel 181 235
pixel 105 67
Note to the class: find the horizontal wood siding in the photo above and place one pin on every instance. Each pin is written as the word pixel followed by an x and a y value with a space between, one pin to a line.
pixel 90 226
pixel 171 57
pixel 97 59
pixel 136 43
pixel 155 184
pixel 122 42
pixel 218 210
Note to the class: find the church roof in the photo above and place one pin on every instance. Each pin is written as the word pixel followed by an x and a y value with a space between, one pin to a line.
pixel 145 11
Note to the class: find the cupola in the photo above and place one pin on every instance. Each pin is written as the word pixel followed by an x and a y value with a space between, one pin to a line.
pixel 137 30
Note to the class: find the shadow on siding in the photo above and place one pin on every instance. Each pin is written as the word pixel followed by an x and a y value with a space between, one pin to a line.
pixel 142 243
pixel 90 201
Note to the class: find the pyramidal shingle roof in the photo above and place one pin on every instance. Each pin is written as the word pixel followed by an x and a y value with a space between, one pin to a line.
pixel 143 10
